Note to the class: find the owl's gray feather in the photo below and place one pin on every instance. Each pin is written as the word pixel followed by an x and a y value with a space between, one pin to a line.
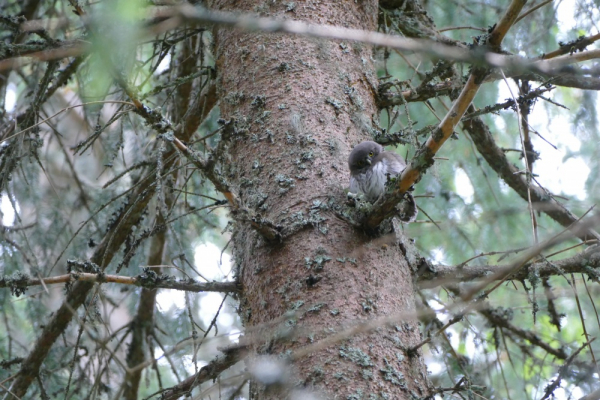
pixel 370 166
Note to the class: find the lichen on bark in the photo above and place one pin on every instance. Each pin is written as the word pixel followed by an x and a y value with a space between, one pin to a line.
pixel 300 152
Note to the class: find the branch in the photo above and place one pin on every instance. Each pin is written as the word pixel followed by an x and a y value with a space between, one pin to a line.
pixel 148 280
pixel 496 158
pixel 206 373
pixel 502 275
pixel 50 333
pixel 580 79
pixel 26 49
pixel 55 327
pixel 423 158
pixel 510 103
pixel 564 369
pixel 197 15
pixel 446 88
pixel 159 123
pixel 595 395
pixel 191 116
pixel 572 81
pixel 174 17
pixel 387 99
pixel 269 231
pixel 142 324
pixel 584 262
pixel 573 46
pixel 496 318
pixel 534 251
pixel 72 49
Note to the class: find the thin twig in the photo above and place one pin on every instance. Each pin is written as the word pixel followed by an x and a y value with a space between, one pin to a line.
pixel 62 111
pixel 532 9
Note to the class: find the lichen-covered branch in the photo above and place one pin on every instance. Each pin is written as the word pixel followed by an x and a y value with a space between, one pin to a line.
pixel 387 98
pixel 587 262
pixel 499 319
pixel 148 279
pixel 400 137
pixel 577 45
pixel 158 122
pixel 191 114
pixel 170 18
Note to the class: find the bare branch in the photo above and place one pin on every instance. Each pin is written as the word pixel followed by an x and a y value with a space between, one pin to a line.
pixel 458 52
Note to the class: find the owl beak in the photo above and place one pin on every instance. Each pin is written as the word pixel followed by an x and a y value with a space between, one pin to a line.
pixel 368 161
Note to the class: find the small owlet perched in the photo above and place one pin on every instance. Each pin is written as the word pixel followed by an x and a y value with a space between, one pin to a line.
pixel 370 165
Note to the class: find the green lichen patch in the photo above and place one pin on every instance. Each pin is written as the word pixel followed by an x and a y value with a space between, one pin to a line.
pixel 285 183
pixel 259 101
pixel 357 356
pixel 340 376
pixel 296 305
pixel 358 395
pixel 234 98
pixel 337 104
pixel 317 263
pixel 17 282
pixel 368 304
pixel 316 307
pixel 392 375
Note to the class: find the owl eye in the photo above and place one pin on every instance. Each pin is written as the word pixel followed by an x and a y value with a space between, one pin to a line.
pixel 360 163
pixel 371 154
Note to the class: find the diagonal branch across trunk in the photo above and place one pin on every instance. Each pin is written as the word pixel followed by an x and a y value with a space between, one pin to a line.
pixel 423 159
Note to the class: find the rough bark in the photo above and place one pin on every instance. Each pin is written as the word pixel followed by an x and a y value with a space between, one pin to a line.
pixel 301 104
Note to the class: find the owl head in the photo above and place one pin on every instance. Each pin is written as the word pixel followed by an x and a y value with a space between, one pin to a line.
pixel 362 156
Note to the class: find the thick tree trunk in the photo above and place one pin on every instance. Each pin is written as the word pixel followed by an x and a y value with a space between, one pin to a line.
pixel 301 104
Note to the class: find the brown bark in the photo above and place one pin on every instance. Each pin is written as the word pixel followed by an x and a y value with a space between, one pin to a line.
pixel 301 105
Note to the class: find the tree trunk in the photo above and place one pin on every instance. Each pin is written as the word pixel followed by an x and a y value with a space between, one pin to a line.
pixel 300 105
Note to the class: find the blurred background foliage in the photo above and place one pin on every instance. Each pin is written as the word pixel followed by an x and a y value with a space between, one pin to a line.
pixel 64 180
pixel 70 183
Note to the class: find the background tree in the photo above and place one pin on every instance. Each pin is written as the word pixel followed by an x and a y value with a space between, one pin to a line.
pixel 138 136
